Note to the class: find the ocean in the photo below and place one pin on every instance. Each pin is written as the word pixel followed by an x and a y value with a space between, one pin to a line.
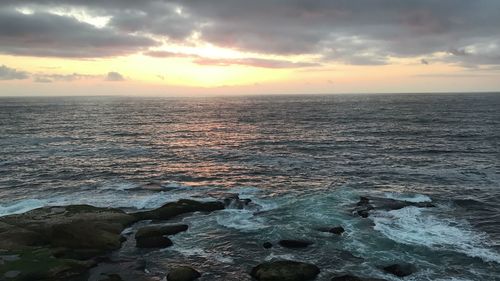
pixel 304 161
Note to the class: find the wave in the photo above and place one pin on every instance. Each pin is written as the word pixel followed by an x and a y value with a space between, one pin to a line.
pixel 415 226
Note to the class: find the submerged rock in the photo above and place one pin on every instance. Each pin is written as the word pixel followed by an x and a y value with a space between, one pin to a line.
pixel 183 273
pixel 353 278
pixel 335 230
pixel 400 270
pixel 267 245
pixel 295 243
pixel 285 271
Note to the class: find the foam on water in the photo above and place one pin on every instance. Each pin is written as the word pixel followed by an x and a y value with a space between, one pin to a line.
pixel 199 252
pixel 416 226
pixel 240 219
pixel 414 198
pixel 20 207
pixel 101 198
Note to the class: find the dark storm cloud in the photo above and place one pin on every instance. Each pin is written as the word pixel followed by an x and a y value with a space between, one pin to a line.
pixel 355 32
pixel 7 73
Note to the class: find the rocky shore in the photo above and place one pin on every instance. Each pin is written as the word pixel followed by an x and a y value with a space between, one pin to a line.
pixel 75 243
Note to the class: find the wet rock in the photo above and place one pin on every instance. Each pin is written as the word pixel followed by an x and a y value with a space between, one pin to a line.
pixel 335 230
pixel 400 270
pixel 72 227
pixel 365 205
pixel 295 243
pixel 154 236
pixel 40 264
pixel 57 243
pixel 153 242
pixel 183 273
pixel 111 277
pixel 363 213
pixel 285 271
pixel 348 277
pixel 183 206
pixel 267 245
pixel 233 201
pixel 150 231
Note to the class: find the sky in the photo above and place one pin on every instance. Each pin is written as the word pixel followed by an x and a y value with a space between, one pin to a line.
pixel 204 47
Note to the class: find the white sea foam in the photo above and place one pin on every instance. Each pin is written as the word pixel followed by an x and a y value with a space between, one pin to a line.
pixel 101 198
pixel 240 219
pixel 414 198
pixel 20 207
pixel 273 256
pixel 199 252
pixel 415 226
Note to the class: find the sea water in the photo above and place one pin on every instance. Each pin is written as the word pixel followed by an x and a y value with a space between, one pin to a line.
pixel 303 161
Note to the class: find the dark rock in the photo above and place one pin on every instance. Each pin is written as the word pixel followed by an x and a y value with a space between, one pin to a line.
pixel 267 245
pixel 400 270
pixel 150 231
pixel 365 205
pixel 353 278
pixel 111 277
pixel 58 243
pixel 153 242
pixel 233 201
pixel 40 264
pixel 285 271
pixel 295 243
pixel 73 227
pixel 363 213
pixel 183 273
pixel 335 230
pixel 363 200
pixel 346 278
pixel 183 206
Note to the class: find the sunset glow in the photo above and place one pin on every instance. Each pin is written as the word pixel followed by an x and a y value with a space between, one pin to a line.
pixel 188 48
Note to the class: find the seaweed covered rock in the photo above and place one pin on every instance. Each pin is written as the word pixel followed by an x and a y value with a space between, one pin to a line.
pixel 39 264
pixel 180 207
pixel 285 271
pixel 183 273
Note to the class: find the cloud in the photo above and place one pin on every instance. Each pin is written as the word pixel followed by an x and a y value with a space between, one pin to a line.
pixel 49 78
pixel 255 62
pixel 114 77
pixel 7 73
pixel 49 35
pixel 352 32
